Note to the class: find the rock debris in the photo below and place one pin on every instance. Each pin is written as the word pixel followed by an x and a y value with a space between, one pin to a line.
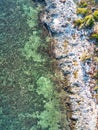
pixel 74 53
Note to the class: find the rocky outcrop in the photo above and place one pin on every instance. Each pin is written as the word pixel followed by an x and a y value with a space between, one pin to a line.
pixel 74 52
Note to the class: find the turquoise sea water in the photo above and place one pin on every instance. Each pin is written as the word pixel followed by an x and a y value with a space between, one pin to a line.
pixel 28 100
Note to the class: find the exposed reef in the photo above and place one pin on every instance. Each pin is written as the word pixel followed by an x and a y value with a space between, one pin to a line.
pixel 74 53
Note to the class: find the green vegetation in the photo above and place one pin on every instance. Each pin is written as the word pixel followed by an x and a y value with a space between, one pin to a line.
pixel 95 36
pixel 87 17
pixel 78 22
pixel 82 11
pixel 96 88
pixel 95 15
pixel 88 21
pixel 83 4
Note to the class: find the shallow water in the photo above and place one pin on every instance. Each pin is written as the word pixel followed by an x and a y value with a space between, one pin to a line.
pixel 28 100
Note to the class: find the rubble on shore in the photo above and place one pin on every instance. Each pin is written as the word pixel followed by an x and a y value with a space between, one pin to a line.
pixel 74 52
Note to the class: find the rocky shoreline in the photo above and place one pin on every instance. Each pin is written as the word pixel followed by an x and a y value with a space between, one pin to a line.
pixel 74 52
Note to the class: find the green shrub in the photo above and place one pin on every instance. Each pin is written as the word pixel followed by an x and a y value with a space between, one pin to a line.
pixel 96 88
pixel 96 15
pixel 95 36
pixel 88 21
pixel 82 4
pixel 78 22
pixel 82 11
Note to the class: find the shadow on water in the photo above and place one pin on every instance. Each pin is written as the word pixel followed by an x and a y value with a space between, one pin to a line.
pixel 28 100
